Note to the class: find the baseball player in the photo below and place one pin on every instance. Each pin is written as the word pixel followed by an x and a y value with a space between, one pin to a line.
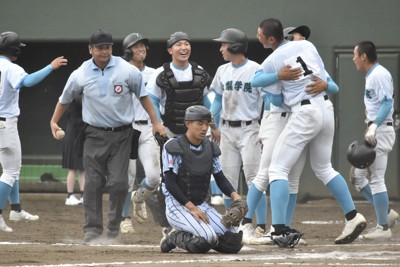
pixel 188 162
pixel 311 123
pixel 106 84
pixel 240 104
pixel 378 100
pixel 12 79
pixel 274 120
pixel 178 85
pixel 135 48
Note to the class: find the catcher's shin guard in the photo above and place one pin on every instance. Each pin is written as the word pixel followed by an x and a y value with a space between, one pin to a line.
pixel 189 242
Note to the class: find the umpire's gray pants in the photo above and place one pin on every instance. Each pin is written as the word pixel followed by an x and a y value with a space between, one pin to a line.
pixel 106 160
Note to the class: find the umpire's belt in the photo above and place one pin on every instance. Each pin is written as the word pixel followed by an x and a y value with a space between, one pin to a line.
pixel 142 122
pixel 236 123
pixel 113 129
pixel 307 101
pixel 385 123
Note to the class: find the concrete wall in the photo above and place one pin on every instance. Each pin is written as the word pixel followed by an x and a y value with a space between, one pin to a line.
pixel 53 27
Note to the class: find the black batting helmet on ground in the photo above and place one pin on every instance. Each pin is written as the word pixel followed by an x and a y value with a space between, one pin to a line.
pixel 177 36
pixel 10 44
pixel 130 40
pixel 197 113
pixel 236 38
pixel 361 155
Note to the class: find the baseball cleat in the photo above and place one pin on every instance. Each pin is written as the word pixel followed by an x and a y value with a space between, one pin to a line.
pixel 250 236
pixel 352 230
pixel 72 201
pixel 126 226
pixel 392 218
pixel 377 234
pixel 166 244
pixel 90 237
pixel 217 200
pixel 3 225
pixel 22 215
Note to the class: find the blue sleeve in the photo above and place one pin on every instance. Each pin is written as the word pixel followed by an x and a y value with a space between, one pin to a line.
pixel 276 100
pixel 217 119
pixel 206 101
pixel 384 110
pixel 217 104
pixel 333 88
pixel 267 101
pixel 36 77
pixel 156 104
pixel 262 79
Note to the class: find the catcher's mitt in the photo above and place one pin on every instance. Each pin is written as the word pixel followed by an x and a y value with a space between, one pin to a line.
pixel 235 214
pixel 289 239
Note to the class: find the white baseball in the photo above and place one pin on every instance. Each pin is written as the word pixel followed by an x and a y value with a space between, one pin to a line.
pixel 60 134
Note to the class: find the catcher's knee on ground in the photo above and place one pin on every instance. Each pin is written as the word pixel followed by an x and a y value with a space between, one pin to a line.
pixel 230 243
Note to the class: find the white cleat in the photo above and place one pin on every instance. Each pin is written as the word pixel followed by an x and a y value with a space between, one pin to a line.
pixel 3 225
pixel 22 215
pixel 250 237
pixel 352 230
pixel 392 218
pixel 139 211
pixel 126 226
pixel 72 201
pixel 377 234
pixel 217 201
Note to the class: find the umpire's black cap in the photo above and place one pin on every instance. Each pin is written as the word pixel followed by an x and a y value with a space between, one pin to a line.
pixel 197 113
pixel 100 37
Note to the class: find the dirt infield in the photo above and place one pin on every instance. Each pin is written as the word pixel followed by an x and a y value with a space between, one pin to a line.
pixel 56 240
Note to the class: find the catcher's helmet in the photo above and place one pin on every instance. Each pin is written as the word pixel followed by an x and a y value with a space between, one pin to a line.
pixel 361 155
pixel 197 113
pixel 10 44
pixel 236 38
pixel 177 36
pixel 132 39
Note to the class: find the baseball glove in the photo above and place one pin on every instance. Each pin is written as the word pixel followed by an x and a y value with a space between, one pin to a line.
pixel 287 240
pixel 235 214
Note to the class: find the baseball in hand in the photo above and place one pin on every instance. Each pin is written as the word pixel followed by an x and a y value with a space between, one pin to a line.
pixel 60 134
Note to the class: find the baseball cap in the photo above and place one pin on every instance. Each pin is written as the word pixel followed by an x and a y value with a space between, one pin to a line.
pixel 303 30
pixel 100 37
pixel 177 36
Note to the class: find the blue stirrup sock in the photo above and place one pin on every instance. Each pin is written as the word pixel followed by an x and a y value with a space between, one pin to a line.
pixel 253 197
pixel 367 194
pixel 290 209
pixel 5 190
pixel 279 194
pixel 261 211
pixel 338 187
pixel 14 194
pixel 381 205
pixel 228 202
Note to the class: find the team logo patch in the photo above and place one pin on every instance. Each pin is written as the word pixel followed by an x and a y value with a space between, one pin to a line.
pixel 118 89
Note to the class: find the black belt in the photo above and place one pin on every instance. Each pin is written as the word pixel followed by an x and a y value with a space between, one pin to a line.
pixel 307 101
pixel 387 123
pixel 2 119
pixel 113 129
pixel 143 122
pixel 236 123
pixel 283 114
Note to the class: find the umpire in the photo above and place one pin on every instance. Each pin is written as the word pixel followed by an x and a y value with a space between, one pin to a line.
pixel 106 84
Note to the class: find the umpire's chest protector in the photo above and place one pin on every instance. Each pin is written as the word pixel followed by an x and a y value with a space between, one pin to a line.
pixel 196 167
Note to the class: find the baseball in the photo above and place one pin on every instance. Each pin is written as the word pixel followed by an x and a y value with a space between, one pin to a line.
pixel 60 134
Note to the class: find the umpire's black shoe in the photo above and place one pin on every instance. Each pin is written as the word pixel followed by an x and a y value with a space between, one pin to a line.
pixel 165 244
pixel 90 237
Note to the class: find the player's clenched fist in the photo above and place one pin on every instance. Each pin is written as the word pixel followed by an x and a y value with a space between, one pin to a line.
pixel 58 62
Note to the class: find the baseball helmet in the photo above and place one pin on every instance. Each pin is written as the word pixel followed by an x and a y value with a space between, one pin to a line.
pixel 177 36
pixel 132 39
pixel 303 30
pixel 361 155
pixel 197 113
pixel 236 38
pixel 10 44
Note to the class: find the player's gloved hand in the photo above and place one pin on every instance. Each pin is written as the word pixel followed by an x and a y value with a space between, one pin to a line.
pixel 370 134
pixel 235 214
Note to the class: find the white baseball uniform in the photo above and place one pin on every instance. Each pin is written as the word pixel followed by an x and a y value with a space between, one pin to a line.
pixel 378 86
pixel 149 151
pixel 241 109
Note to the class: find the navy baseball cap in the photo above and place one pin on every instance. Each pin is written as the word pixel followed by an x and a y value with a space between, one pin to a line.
pixel 100 37
pixel 176 37
pixel 303 30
